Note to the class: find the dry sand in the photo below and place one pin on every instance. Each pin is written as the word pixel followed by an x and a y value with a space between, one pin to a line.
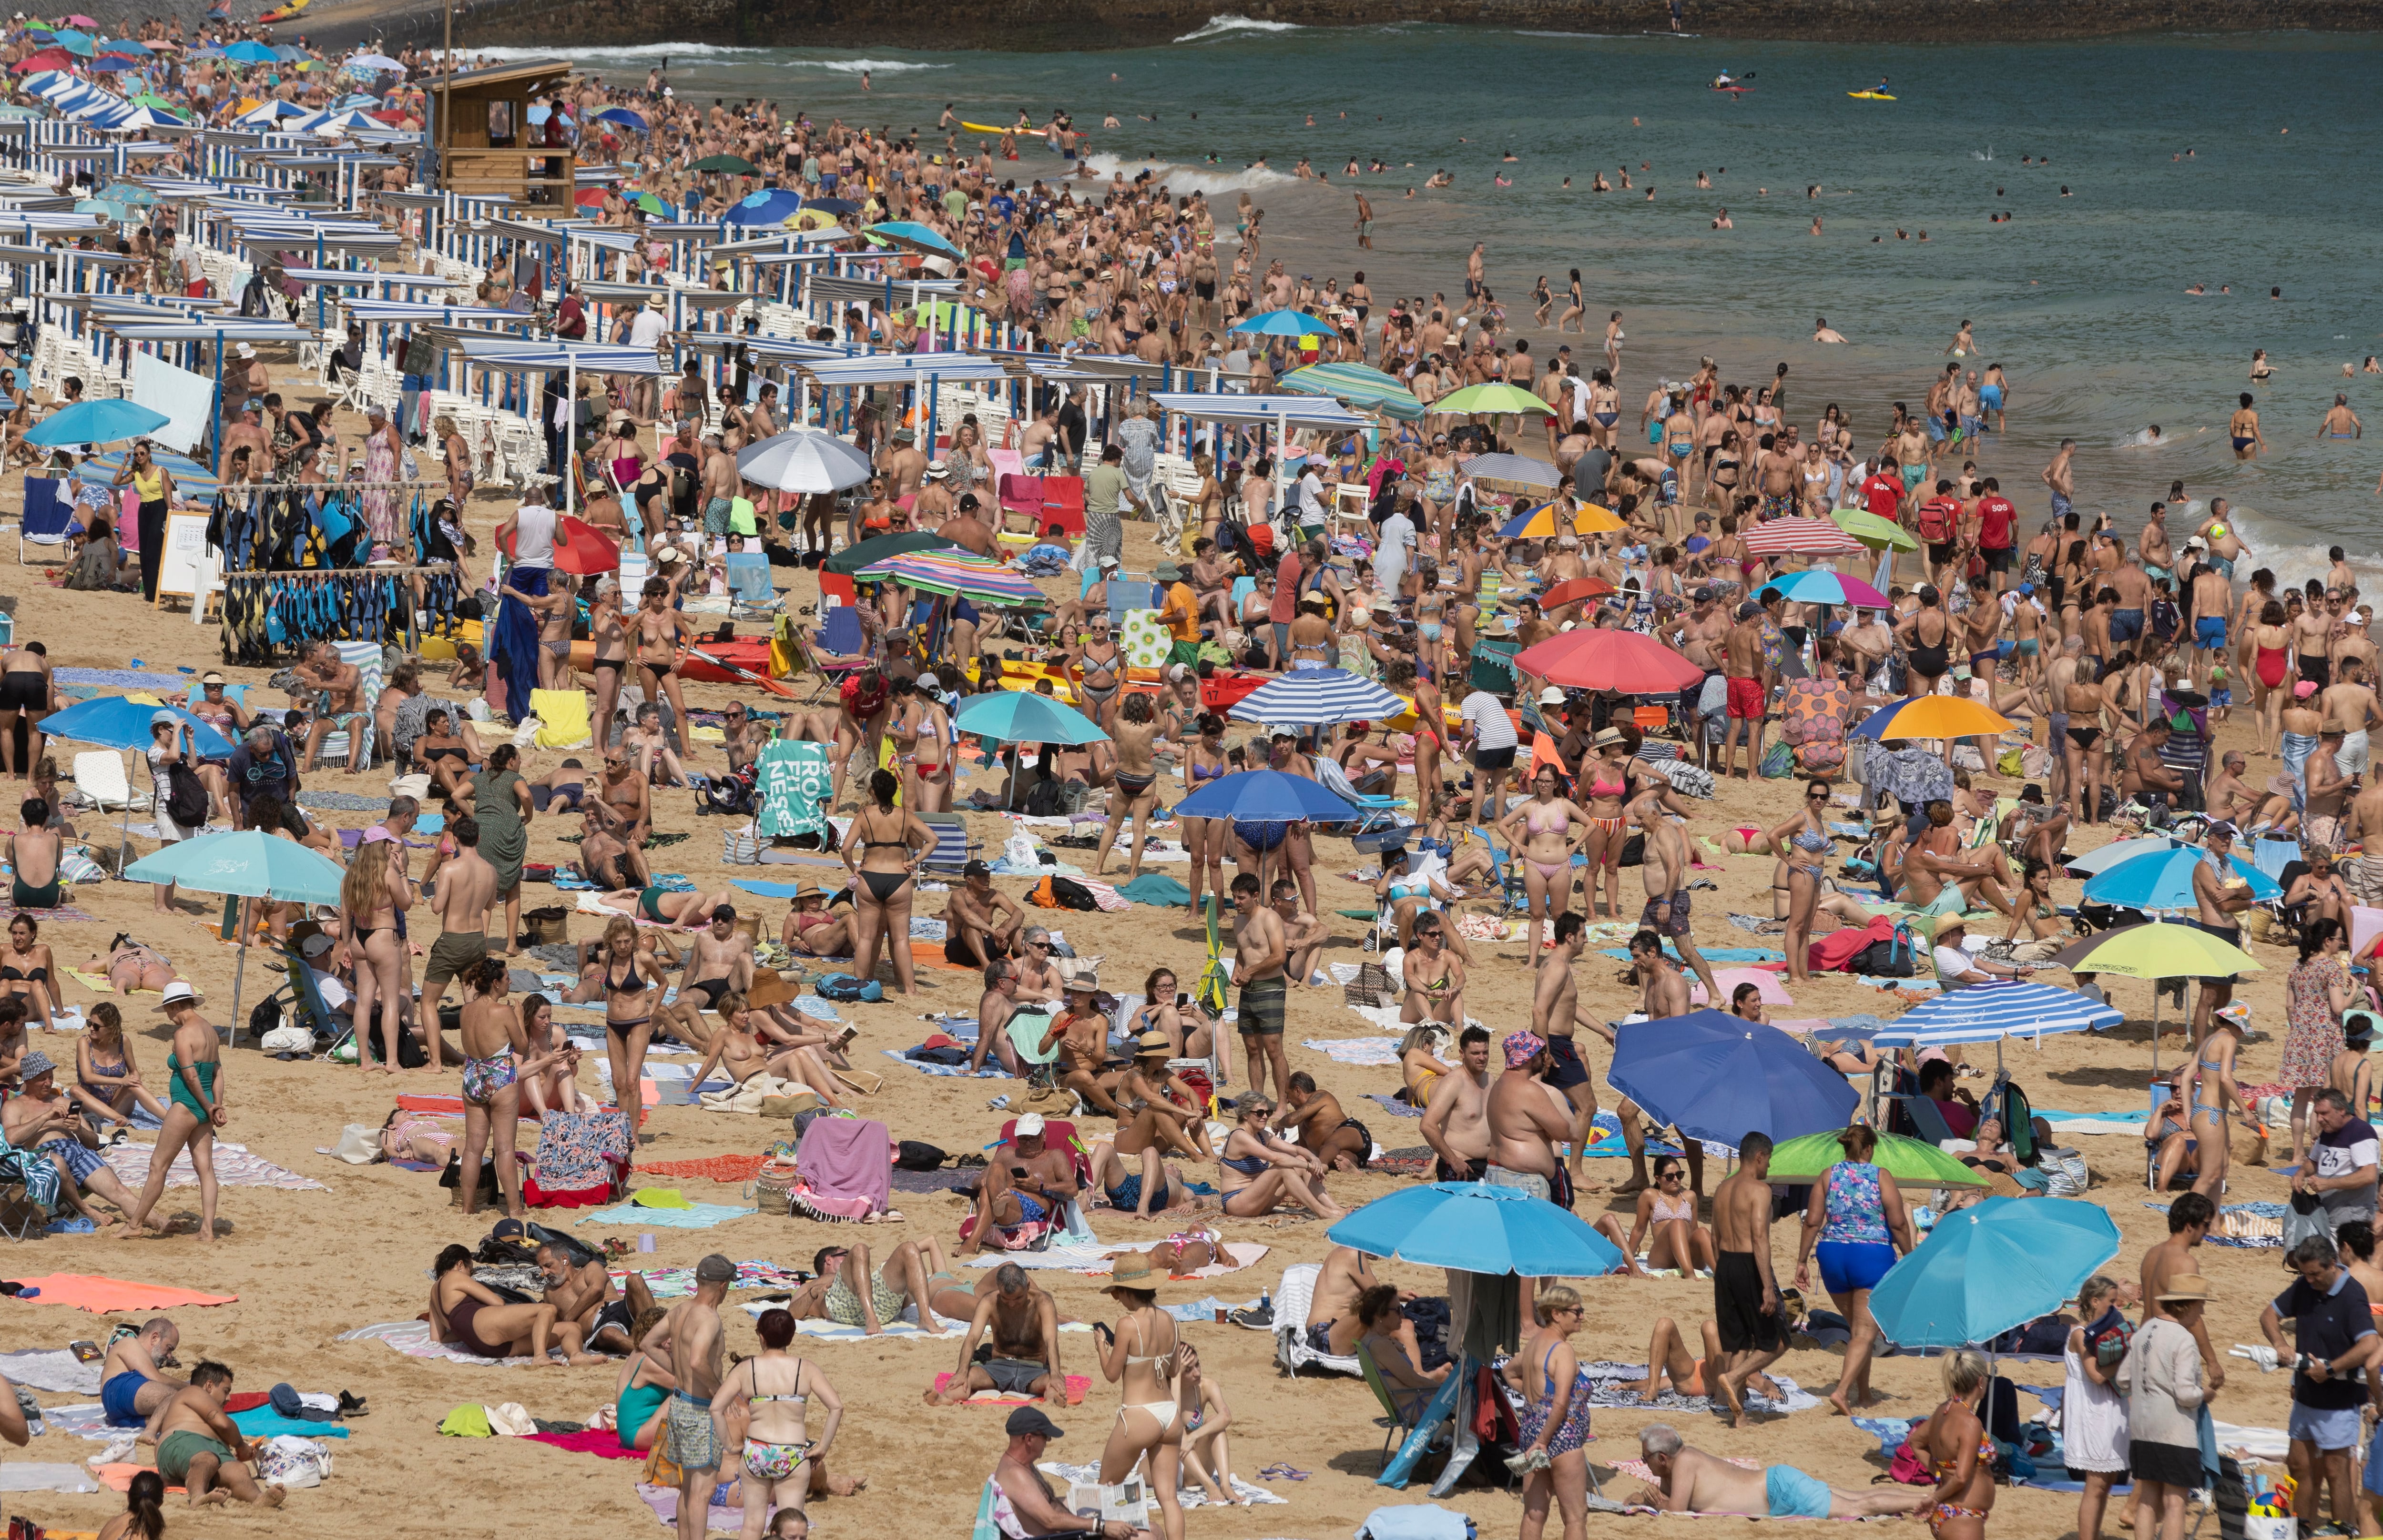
pixel 310 1265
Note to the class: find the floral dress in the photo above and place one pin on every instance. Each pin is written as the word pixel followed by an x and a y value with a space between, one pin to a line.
pixel 380 503
pixel 2313 1033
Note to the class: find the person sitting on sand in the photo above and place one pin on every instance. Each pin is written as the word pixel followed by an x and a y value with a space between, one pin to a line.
pixel 1206 1414
pixel 198 1448
pixel 1690 1481
pixel 107 1081
pixel 39 1119
pixel 812 930
pixel 1338 1140
pixel 642 1396
pixel 1023 1322
pixel 1260 1172
pixel 1668 1362
pixel 580 1290
pixel 133 1383
pixel 1140 1182
pixel 908 1274
pixel 737 1049
pixel 1670 1211
pixel 467 1313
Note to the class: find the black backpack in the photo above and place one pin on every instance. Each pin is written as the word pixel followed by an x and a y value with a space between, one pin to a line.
pixel 1072 895
pixel 186 798
pixel 1045 798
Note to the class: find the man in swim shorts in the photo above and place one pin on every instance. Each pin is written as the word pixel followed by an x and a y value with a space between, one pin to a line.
pixel 131 1385
pixel 1021 1357
pixel 1259 953
pixel 1689 1480
pixel 198 1447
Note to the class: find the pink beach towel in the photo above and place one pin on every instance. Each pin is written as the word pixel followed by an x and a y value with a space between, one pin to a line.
pixel 846 1163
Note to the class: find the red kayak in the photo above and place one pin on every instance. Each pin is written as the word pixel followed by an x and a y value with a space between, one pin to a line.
pixel 751 656
pixel 1222 691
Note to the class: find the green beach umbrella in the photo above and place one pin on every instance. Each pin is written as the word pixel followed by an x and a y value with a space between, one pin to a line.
pixel 1874 532
pixel 851 559
pixel 651 204
pixel 737 163
pixel 1360 385
pixel 1493 398
pixel 1906 1160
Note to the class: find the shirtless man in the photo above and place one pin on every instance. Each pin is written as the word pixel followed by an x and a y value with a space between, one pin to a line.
pixel 1936 862
pixel 1023 1185
pixel 741 736
pixel 722 965
pixel 981 922
pixel 1690 1481
pixel 2189 1219
pixel 1666 873
pixel 1663 994
pixel 2364 824
pixel 690 1438
pixel 1747 1307
pixel 1749 689
pixel 2326 790
pixel 1332 1326
pixel 656 631
pixel 132 1385
pixel 1524 1122
pixel 2349 704
pixel 337 684
pixel 465 890
pixel 1456 1115
pixel 1259 953
pixel 1322 1128
pixel 1555 1016
pixel 622 799
pixel 1303 936
pixel 2060 477
pixel 604 859
pixel 1023 1322
pixel 581 1292
pixel 199 1448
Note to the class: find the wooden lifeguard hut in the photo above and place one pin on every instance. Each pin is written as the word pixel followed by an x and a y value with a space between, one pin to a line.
pixel 486 143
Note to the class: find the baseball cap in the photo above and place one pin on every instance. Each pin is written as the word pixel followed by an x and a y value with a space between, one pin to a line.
pixel 976 868
pixel 166 719
pixel 715 1268
pixel 1029 1125
pixel 1029 1423
pixel 2224 827
pixel 1748 609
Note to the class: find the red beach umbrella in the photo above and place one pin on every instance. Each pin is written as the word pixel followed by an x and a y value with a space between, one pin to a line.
pixel 581 548
pixel 1628 662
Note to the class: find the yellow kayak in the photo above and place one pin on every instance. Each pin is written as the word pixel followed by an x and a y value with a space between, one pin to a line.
pixel 1869 96
pixel 982 127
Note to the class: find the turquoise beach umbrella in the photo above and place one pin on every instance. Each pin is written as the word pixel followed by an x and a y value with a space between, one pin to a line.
pixel 1284 323
pixel 1478 1228
pixel 1986 1269
pixel 2163 880
pixel 249 864
pixel 95 422
pixel 1023 716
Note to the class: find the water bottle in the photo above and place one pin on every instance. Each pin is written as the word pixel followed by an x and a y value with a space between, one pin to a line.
pixel 1265 1301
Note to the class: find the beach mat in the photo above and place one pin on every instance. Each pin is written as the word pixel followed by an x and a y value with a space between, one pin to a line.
pixel 413 1339
pixel 104 1295
pixel 53 1369
pixel 717 1168
pixel 1077 1385
pixel 262 1421
pixel 47 1477
pixel 663 1500
pixel 603 1443
pixel 235 1166
pixel 696 1216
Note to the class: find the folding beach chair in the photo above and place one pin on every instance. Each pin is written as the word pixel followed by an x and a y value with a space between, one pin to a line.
pixel 46 517
pixel 1399 1423
pixel 99 776
pixel 1293 1299
pixel 1063 504
pixel 1375 812
pixel 953 849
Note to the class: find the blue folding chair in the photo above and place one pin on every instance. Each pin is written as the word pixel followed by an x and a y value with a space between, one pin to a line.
pixel 748 580
pixel 46 517
pixel 840 631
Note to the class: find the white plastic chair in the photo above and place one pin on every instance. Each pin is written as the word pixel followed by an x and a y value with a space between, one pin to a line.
pixel 1293 1300
pixel 99 776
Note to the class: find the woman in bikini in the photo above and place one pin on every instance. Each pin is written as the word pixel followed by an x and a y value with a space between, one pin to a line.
pixel 611 660
pixel 372 894
pixel 2210 1091
pixel 467 1313
pixel 1203 760
pixel 447 758
pixel 1723 474
pixel 1096 667
pixel 107 1083
pixel 1669 1210
pixel 1543 833
pixel 779 1458
pixel 629 980
pixel 130 965
pixel 883 848
pixel 1610 784
pixel 922 746
pixel 555 1087
pixel 1134 792
pixel 28 969
pixel 1959 1454
pixel 1802 843
pixel 1260 1172
pixel 1141 1356
pixel 497 1056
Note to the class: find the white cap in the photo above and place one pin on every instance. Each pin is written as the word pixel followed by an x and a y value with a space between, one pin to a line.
pixel 1551 696
pixel 1027 1125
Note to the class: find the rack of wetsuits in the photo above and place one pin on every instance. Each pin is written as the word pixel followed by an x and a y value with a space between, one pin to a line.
pixel 268 615
pixel 289 525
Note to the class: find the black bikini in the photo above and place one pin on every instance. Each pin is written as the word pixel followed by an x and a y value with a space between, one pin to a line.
pixel 883 885
pixel 633 986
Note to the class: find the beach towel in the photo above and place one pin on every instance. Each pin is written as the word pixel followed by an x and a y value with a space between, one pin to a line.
pixel 264 1423
pixel 51 1369
pixel 562 717
pixel 65 912
pixel 676 1283
pixel 108 1296
pixel 663 1500
pixel 1077 1385
pixel 695 1216
pixel 716 1168
pixel 1372 1052
pixel 235 1166
pixel 1190 1497
pixel 84 1421
pixel 413 1338
pixel 843 1162
pixel 2067 1123
pixel 1157 888
pixel 828 1331
pixel 1238 1255
pixel 794 780
pixel 1616 1384
pixel 1728 979
pixel 47 1476
pixel 990 1072
pixel 603 1443
pixel 1392 1105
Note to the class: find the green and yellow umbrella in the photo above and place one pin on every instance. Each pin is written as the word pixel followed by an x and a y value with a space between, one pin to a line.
pixel 1492 399
pixel 1910 1160
pixel 1874 532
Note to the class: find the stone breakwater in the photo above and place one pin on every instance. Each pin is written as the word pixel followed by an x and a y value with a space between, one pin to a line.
pixel 1089 24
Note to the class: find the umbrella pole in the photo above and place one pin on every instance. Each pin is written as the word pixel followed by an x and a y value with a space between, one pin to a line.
pixel 239 970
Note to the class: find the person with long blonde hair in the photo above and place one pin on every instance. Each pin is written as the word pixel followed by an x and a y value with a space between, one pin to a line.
pixel 372 894
pixel 1959 1454
pixel 630 982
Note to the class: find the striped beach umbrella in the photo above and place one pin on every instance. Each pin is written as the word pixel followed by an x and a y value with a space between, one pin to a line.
pixel 1360 385
pixel 1802 537
pixel 1318 696
pixel 1989 1013
pixel 955 572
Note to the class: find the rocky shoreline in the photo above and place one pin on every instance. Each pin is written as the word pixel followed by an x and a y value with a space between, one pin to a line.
pixel 1036 25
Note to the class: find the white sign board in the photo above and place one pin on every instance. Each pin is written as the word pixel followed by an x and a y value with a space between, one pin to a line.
pixel 185 568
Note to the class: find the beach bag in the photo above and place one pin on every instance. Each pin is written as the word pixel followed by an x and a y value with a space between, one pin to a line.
pixel 741 847
pixel 291 1038
pixel 1778 761
pixel 2108 1337
pixel 771 1184
pixel 1045 799
pixel 845 988
pixel 186 798
pixel 547 926
pixel 287 1460
pixel 915 1156
pixel 1372 987
pixel 2305 1216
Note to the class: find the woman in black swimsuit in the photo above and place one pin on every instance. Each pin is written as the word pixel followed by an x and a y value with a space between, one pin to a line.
pixel 25 969
pixel 626 977
pixel 447 757
pixel 24 686
pixel 884 847
pixel 612 656
pixel 1926 658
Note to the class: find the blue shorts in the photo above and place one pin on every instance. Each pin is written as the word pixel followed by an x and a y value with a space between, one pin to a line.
pixel 1793 1495
pixel 2209 633
pixel 1127 1194
pixel 2326 1427
pixel 116 1397
pixel 2374 1463
pixel 1849 1267
pixel 1936 432
pixel 1031 1209
pixel 2225 564
pixel 2126 624
pixel 2061 507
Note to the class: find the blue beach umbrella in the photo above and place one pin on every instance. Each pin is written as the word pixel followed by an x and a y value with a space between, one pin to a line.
pixel 95 422
pixel 1284 323
pixel 1478 1228
pixel 1989 1013
pixel 1986 1269
pixel 111 64
pixel 129 48
pixel 249 864
pixel 76 43
pixel 1263 796
pixel 1023 716
pixel 626 118
pixel 246 52
pixel 1719 1078
pixel 771 207
pixel 2163 881
pixel 113 721
pixel 1316 696
pixel 1819 586
pixel 917 236
pixel 2118 852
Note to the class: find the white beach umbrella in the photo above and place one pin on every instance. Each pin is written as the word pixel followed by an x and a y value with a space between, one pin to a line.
pixel 803 460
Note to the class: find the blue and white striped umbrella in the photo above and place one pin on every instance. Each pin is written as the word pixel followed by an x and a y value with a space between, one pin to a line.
pixel 1313 698
pixel 1989 1013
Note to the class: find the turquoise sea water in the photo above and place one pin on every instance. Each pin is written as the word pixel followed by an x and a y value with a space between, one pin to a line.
pixel 2081 298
